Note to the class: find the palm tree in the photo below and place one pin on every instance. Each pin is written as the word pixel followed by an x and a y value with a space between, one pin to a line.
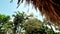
pixel 18 20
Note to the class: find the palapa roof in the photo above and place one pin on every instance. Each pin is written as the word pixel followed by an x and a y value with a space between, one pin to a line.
pixel 49 8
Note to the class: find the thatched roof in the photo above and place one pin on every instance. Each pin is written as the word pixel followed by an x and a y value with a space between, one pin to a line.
pixel 49 8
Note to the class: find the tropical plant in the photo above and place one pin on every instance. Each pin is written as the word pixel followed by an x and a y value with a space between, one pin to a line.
pixel 8 27
pixel 3 20
pixel 32 26
pixel 18 20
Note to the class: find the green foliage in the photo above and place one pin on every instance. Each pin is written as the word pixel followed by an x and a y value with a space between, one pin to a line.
pixel 18 20
pixel 57 33
pixel 31 25
pixel 3 20
pixel 8 25
pixel 19 17
pixel 35 26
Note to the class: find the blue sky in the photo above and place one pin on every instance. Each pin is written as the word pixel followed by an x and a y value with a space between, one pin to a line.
pixel 9 8
pixel 6 7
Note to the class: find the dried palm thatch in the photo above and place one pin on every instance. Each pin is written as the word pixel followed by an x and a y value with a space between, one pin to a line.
pixel 49 8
